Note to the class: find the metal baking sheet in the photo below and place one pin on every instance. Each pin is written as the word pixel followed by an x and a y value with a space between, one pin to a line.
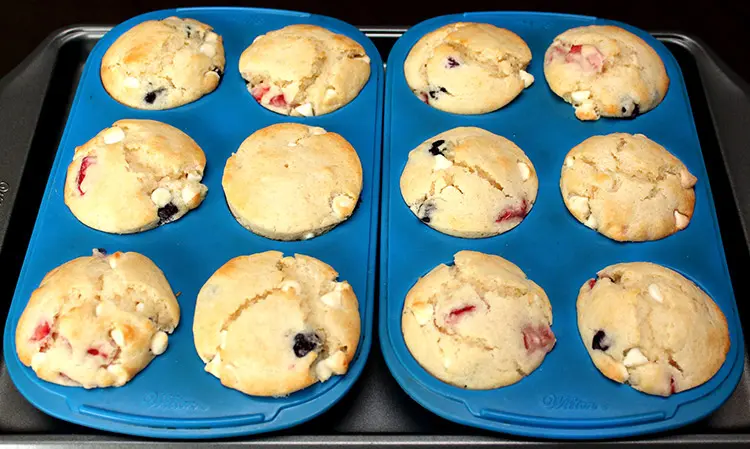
pixel 376 412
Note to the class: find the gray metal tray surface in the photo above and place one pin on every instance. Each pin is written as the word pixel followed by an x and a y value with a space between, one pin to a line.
pixel 34 103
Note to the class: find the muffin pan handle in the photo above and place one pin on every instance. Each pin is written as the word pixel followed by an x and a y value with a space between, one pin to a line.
pixel 22 94
pixel 728 97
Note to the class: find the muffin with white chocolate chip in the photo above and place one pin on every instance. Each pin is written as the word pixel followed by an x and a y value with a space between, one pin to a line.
pixel 162 64
pixel 291 182
pixel 468 68
pixel 97 321
pixel 627 187
pixel 650 327
pixel 134 176
pixel 269 325
pixel 304 70
pixel 468 182
pixel 605 71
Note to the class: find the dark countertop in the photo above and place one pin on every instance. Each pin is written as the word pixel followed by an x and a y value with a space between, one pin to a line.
pixel 721 24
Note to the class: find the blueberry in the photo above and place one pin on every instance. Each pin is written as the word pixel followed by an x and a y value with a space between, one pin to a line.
pixel 450 63
pixel 434 93
pixel 435 148
pixel 598 343
pixel 425 212
pixel 102 251
pixel 151 96
pixel 304 343
pixel 167 212
pixel 188 30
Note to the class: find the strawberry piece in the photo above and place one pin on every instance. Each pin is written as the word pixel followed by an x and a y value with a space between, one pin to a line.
pixel 41 331
pixel 518 211
pixel 85 164
pixel 93 351
pixel 539 338
pixel 259 91
pixel 575 49
pixel 672 386
pixel 278 101
pixel 455 314
pixel 592 282
pixel 424 97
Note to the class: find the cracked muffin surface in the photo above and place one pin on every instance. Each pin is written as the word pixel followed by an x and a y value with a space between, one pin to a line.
pixel 605 71
pixel 468 68
pixel 134 176
pixel 468 182
pixel 479 323
pixel 650 327
pixel 162 64
pixel 97 321
pixel 269 325
pixel 627 187
pixel 291 182
pixel 304 70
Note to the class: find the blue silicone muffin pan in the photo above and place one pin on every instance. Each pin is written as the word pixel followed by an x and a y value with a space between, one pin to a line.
pixel 174 397
pixel 566 397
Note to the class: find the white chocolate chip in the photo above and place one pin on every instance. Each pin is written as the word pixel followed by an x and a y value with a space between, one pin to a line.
pixel 161 197
pixel 365 59
pixel 305 110
pixel 258 38
pixel 441 162
pixel 113 135
pixel 634 357
pixel 423 313
pixel 569 161
pixel 289 285
pixel 591 222
pixel 189 193
pixel 526 77
pixel 587 111
pixel 317 131
pixel 223 339
pixel 118 337
pixel 214 366
pixel 579 205
pixel 322 371
pixel 580 96
pixel 208 50
pixel 330 93
pixel 211 37
pixel 159 343
pixel 341 286
pixel 525 170
pixel 131 82
pixel 37 360
pixel 292 144
pixel 120 374
pixel 112 261
pixel 655 293
pixel 681 221
pixel 99 309
pixel 687 180
pixel 447 362
pixel 213 74
pixel 139 307
pixel 332 299
pixel 342 206
pixel 335 364
pixel 194 177
pixel 308 236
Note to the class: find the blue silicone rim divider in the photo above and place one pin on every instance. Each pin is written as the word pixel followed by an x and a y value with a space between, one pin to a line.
pixel 566 397
pixel 174 397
